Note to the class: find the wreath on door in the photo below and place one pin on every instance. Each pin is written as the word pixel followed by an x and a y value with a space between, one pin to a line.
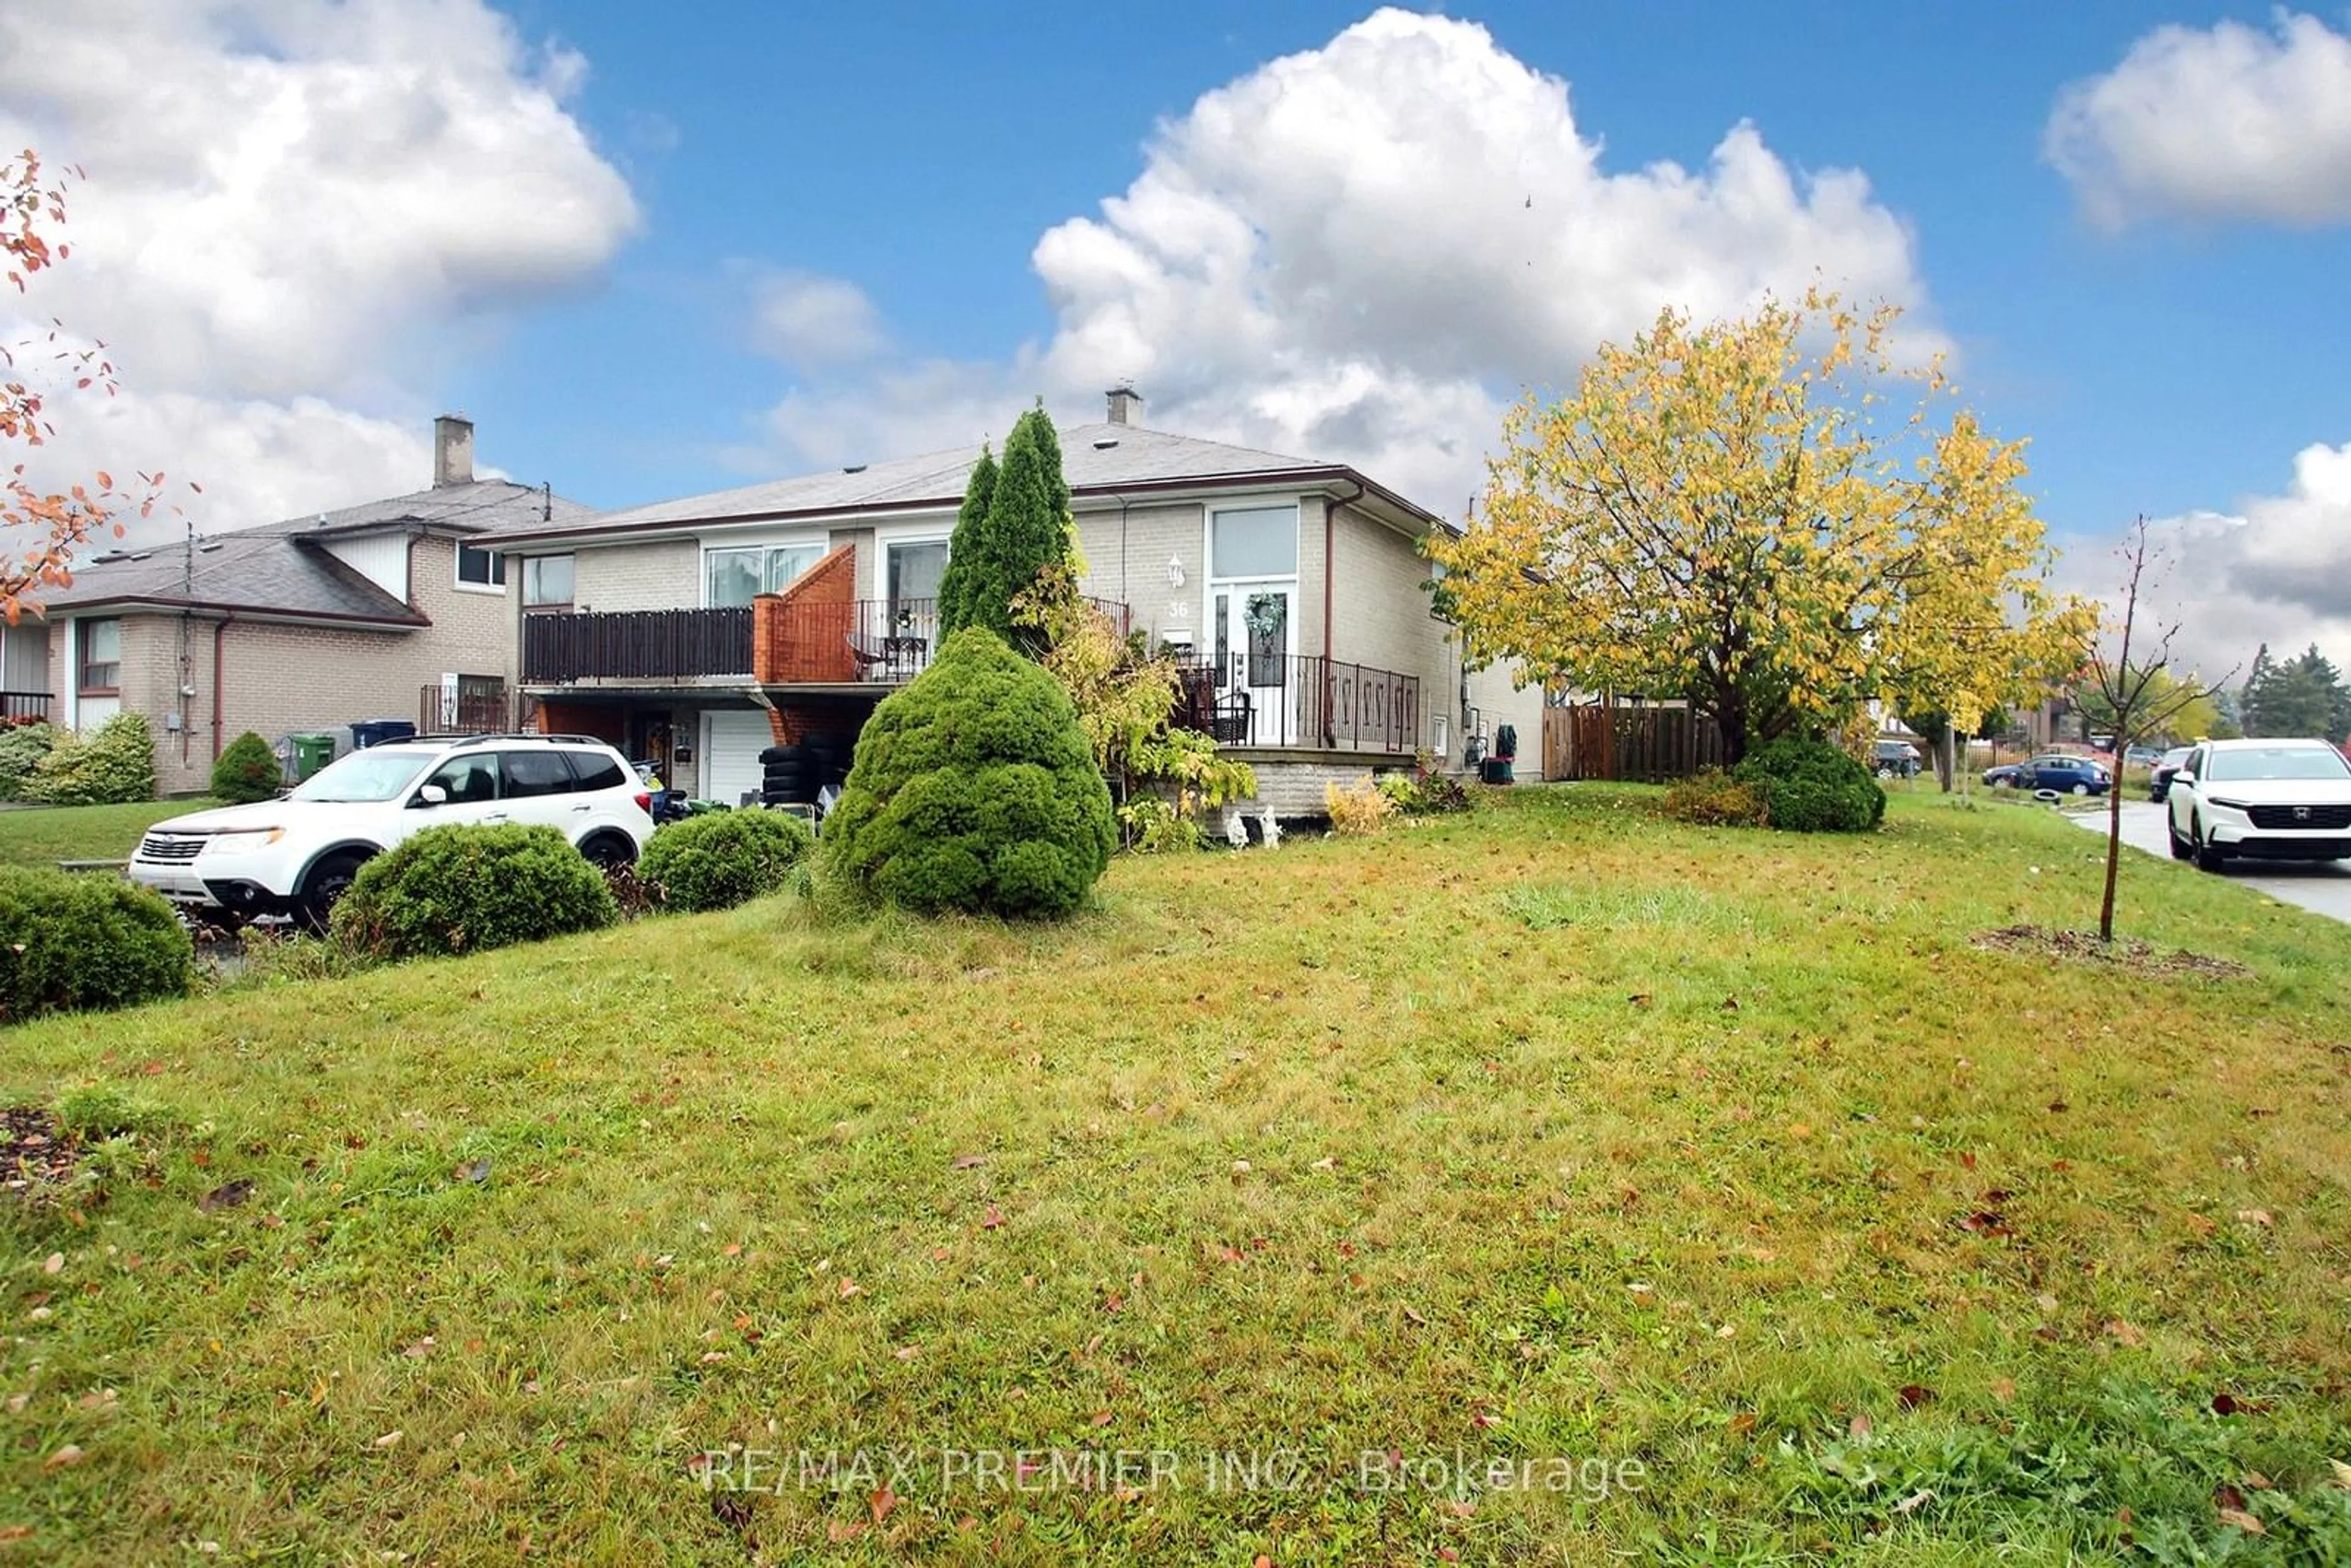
pixel 1265 614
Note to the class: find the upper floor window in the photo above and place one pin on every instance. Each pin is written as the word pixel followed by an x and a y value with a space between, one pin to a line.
pixel 1253 541
pixel 99 658
pixel 480 568
pixel 547 583
pixel 738 575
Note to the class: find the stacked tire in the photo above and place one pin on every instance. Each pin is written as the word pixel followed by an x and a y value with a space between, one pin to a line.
pixel 794 775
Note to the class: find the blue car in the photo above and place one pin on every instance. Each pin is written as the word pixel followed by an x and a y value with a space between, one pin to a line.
pixel 2066 775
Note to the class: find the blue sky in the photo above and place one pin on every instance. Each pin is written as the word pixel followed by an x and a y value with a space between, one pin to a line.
pixel 2173 367
pixel 654 252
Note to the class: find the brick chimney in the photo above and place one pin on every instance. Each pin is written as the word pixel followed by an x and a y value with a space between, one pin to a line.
pixel 453 451
pixel 1123 400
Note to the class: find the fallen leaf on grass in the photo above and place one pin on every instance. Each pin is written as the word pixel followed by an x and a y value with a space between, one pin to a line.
pixel 2226 1403
pixel 969 1162
pixel 1915 1501
pixel 1914 1395
pixel 2123 1331
pixel 64 1459
pixel 390 1439
pixel 1743 1423
pixel 851 1288
pixel 2003 1389
pixel 883 1500
pixel 419 1350
pixel 2342 1474
pixel 2242 1521
pixel 474 1171
pixel 54 1263
pixel 993 1220
pixel 1861 1426
pixel 2254 1216
pixel 1415 1319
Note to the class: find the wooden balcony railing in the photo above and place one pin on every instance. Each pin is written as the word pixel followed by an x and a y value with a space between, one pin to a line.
pixel 782 641
pixel 636 645
pixel 1302 700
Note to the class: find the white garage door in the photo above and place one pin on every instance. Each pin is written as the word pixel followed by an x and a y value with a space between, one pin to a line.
pixel 732 740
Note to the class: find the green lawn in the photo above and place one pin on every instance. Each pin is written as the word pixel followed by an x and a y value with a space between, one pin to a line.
pixel 44 835
pixel 1556 1135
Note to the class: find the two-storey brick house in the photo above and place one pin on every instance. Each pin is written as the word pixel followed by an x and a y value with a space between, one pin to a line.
pixel 389 609
pixel 700 631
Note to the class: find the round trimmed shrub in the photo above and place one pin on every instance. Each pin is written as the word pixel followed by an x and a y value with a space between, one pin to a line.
pixel 247 771
pixel 115 765
pixel 74 943
pixel 1811 786
pixel 721 859
pixel 975 790
pixel 466 887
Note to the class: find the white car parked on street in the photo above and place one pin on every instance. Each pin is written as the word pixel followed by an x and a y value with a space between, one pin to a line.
pixel 296 855
pixel 2268 799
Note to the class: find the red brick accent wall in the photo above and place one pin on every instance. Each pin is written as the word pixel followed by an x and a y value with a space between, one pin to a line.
pixel 603 721
pixel 802 633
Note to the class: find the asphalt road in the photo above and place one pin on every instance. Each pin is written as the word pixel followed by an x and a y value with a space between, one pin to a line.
pixel 2323 887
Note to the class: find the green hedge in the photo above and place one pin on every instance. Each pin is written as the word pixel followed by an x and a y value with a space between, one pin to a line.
pixel 1811 786
pixel 20 746
pixel 248 770
pixel 74 943
pixel 115 765
pixel 974 789
pixel 722 858
pixel 466 887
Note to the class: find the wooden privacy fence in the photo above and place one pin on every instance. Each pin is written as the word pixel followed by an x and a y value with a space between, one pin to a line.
pixel 1639 742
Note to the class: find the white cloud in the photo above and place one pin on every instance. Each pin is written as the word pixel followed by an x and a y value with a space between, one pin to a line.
pixel 2276 571
pixel 296 214
pixel 1363 252
pixel 810 322
pixel 2211 126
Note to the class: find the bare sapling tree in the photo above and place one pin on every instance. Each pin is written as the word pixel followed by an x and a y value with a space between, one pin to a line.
pixel 2139 685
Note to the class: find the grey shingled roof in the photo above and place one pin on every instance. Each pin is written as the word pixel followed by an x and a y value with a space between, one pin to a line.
pixel 282 569
pixel 1138 458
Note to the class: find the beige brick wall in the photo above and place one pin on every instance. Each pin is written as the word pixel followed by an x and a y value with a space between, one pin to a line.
pixel 1380 615
pixel 1136 570
pixel 661 574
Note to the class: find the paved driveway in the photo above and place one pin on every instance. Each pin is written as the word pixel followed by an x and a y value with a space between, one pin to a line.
pixel 2325 886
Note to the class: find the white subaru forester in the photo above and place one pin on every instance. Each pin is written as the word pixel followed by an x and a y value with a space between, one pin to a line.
pixel 296 855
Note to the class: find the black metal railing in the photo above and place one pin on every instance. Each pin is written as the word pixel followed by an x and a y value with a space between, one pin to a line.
pixel 636 645
pixel 476 705
pixel 22 708
pixel 1302 700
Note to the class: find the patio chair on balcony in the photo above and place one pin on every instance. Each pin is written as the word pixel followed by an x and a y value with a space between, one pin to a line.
pixel 892 657
pixel 1229 721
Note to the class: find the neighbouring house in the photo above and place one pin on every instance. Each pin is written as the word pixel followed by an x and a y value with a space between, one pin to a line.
pixel 699 632
pixel 392 608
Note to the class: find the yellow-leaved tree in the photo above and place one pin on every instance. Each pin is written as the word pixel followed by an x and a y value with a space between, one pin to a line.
pixel 1772 518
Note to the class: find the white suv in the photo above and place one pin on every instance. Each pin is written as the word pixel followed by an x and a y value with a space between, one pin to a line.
pixel 2266 799
pixel 295 855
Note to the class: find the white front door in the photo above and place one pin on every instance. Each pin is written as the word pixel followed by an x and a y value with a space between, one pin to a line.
pixel 1256 629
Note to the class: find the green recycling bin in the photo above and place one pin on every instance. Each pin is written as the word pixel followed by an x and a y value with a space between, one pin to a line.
pixel 310 753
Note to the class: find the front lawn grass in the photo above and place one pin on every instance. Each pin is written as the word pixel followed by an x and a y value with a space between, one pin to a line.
pixel 1556 1133
pixel 44 835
